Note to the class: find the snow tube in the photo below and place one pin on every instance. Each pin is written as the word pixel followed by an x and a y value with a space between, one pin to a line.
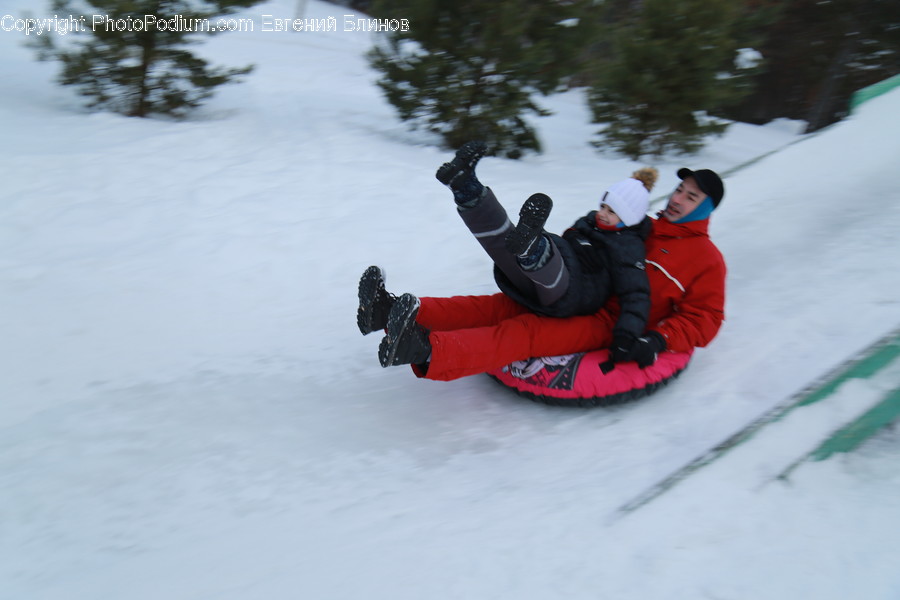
pixel 576 379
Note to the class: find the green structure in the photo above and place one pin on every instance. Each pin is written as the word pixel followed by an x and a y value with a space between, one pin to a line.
pixel 872 91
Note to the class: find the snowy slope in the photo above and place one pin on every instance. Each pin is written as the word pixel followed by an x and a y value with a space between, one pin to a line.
pixel 188 410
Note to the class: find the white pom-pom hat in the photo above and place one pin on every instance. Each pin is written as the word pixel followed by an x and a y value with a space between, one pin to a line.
pixel 629 199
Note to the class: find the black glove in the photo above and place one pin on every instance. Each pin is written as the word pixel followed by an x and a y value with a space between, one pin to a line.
pixel 642 350
pixel 648 348
pixel 622 350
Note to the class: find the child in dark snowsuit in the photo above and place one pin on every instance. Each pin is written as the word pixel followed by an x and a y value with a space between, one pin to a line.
pixel 600 256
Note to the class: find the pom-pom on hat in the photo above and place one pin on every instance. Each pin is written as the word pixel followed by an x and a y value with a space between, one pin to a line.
pixel 708 181
pixel 647 176
pixel 629 199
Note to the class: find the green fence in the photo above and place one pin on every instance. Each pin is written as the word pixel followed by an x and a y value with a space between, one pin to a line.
pixel 874 90
pixel 866 365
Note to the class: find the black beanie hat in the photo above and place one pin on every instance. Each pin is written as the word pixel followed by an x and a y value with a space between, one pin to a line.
pixel 708 181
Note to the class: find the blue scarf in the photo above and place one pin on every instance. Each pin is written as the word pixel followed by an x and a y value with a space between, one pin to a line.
pixel 701 212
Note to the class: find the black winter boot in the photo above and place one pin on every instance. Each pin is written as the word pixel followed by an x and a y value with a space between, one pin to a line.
pixel 530 229
pixel 459 174
pixel 406 342
pixel 375 302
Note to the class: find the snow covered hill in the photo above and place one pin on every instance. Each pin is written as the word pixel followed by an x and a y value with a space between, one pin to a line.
pixel 187 409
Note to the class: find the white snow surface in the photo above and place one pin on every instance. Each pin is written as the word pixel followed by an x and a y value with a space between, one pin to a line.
pixel 187 410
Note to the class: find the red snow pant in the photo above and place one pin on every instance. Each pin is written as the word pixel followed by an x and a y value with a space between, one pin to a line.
pixel 475 334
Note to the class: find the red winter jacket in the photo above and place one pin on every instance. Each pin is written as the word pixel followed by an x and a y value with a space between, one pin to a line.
pixel 474 334
pixel 687 284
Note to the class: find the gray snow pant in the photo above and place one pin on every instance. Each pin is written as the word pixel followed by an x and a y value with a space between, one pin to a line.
pixel 489 223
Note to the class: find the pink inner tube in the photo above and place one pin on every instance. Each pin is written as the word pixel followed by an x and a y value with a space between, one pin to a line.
pixel 577 380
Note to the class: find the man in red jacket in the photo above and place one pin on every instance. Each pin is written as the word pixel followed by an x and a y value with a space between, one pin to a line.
pixel 448 338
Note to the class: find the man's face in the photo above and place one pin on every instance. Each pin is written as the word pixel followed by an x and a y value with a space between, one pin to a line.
pixel 684 200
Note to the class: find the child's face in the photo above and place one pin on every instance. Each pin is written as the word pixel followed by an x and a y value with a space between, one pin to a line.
pixel 607 217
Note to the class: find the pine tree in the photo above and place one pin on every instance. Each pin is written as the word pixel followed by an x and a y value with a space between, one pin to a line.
pixel 818 53
pixel 671 64
pixel 138 66
pixel 469 69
